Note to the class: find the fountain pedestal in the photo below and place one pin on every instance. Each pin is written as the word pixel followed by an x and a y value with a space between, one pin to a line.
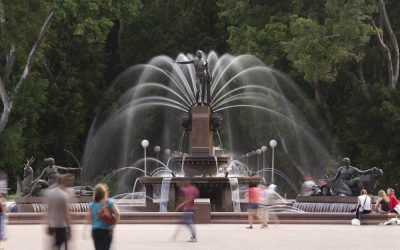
pixel 201 161
pixel 201 141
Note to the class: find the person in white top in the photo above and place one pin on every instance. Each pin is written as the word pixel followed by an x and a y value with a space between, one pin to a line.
pixel 58 217
pixel 363 204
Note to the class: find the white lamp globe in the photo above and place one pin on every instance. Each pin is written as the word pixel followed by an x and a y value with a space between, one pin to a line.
pixel 145 143
pixel 168 151
pixel 258 151
pixel 264 148
pixel 157 149
pixel 273 143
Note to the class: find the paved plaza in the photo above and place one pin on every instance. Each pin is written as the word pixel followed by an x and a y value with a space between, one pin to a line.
pixel 220 237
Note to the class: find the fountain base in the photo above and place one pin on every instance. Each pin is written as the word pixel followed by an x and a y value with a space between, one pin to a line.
pixel 37 204
pixel 217 189
pixel 327 204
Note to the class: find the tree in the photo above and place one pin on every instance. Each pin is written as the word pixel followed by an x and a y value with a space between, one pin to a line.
pixel 319 48
pixel 7 77
pixel 391 52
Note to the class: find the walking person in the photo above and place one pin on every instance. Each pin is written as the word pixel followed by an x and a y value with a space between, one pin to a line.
pixel 264 204
pixel 58 217
pixel 187 193
pixel 2 220
pixel 393 202
pixel 3 193
pixel 363 204
pixel 102 228
pixel 253 195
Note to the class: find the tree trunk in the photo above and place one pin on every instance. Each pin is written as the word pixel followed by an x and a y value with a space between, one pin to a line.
pixel 2 13
pixel 394 71
pixel 359 77
pixel 120 32
pixel 6 107
pixel 32 53
pixel 5 98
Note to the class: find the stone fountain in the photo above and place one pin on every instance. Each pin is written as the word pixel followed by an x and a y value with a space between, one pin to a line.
pixel 256 102
pixel 201 166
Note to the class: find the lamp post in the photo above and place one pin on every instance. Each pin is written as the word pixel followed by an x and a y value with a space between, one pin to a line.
pixel 263 149
pixel 273 144
pixel 247 159
pixel 157 150
pixel 258 152
pixel 145 144
pixel 167 152
pixel 253 159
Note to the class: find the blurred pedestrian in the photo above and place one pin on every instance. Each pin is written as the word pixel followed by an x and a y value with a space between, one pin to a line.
pixel 2 220
pixel 58 217
pixel 102 226
pixel 187 193
pixel 253 196
pixel 263 205
pixel 393 202
pixel 3 193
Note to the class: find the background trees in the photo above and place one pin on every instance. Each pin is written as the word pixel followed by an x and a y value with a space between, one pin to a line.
pixel 343 54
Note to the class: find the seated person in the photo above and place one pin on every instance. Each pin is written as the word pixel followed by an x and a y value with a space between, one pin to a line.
pixel 363 204
pixel 382 203
pixel 393 202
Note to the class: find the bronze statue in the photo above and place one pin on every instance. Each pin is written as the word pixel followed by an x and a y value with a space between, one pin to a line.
pixel 51 171
pixel 203 80
pixel 343 182
pixel 27 182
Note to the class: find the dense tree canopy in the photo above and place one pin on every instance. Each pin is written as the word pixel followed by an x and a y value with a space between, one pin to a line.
pixel 343 54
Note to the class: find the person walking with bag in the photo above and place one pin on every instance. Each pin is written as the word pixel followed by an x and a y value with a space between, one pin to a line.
pixel 103 215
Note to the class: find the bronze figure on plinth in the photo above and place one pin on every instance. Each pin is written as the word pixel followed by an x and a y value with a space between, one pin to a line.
pixel 203 77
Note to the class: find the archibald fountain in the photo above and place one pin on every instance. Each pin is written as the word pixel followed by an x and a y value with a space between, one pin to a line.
pixel 256 103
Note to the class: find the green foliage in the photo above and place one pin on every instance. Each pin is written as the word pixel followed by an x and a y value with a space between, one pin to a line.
pixel 265 43
pixel 11 149
pixel 262 37
pixel 90 42
pixel 318 47
pixel 171 27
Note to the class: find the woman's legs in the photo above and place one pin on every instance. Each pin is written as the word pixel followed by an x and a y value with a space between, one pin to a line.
pixel 102 239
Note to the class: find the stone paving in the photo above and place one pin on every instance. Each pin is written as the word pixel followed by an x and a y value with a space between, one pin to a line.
pixel 219 237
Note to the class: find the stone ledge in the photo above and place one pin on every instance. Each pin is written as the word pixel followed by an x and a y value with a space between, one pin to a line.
pixel 216 218
pixel 331 199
